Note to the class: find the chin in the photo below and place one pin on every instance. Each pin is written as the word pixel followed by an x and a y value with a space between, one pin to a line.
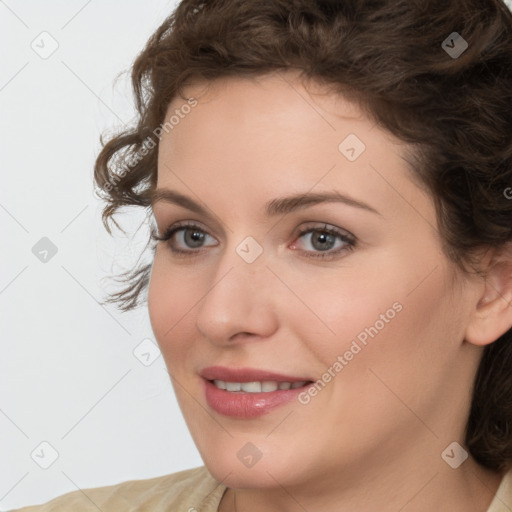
pixel 238 463
pixel 236 475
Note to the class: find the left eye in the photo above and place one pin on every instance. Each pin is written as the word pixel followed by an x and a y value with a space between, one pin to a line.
pixel 323 240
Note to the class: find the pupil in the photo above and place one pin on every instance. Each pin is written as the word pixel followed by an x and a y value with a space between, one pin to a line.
pixel 195 238
pixel 323 238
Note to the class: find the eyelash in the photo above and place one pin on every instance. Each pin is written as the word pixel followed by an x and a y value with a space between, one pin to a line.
pixel 350 241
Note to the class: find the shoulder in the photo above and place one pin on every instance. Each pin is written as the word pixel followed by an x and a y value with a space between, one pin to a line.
pixel 193 490
pixel 502 501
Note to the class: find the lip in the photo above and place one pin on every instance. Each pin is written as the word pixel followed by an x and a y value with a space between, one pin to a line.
pixel 247 405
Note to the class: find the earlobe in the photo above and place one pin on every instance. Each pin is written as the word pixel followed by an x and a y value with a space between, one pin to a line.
pixel 492 316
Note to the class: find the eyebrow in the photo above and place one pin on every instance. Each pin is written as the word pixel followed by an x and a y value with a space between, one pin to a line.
pixel 278 206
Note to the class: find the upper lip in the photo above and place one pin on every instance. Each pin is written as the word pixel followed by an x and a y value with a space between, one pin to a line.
pixel 246 375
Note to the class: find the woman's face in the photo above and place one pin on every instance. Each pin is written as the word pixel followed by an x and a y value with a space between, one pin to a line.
pixel 363 304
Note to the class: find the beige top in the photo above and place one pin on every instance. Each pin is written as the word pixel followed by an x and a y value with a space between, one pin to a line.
pixel 192 490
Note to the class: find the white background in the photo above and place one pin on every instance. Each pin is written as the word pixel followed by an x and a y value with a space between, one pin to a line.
pixel 69 375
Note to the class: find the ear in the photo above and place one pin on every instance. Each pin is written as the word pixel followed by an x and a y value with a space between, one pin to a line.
pixel 492 316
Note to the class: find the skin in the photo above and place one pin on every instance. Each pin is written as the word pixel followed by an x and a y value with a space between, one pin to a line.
pixel 384 420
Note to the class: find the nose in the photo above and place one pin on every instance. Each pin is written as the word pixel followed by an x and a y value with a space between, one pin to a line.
pixel 238 306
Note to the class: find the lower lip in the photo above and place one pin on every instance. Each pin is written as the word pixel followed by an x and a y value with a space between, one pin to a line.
pixel 238 404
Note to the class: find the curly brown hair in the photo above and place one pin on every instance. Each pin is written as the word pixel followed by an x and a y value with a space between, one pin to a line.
pixel 389 57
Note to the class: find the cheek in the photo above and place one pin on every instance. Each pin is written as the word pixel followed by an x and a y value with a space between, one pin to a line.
pixel 171 299
pixel 389 318
pixel 402 347
pixel 338 306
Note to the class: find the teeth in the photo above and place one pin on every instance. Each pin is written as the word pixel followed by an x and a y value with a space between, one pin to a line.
pixel 269 386
pixel 233 386
pixel 251 387
pixel 257 387
pixel 220 384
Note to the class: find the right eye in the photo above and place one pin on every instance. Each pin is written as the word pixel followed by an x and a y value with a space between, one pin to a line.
pixel 189 235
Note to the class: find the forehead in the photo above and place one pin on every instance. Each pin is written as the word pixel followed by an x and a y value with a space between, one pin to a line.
pixel 257 136
pixel 233 117
pixel 280 95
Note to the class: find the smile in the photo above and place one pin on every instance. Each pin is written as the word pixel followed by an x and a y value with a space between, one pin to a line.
pixel 256 386
pixel 248 393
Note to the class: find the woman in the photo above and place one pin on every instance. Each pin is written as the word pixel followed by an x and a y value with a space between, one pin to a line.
pixel 331 287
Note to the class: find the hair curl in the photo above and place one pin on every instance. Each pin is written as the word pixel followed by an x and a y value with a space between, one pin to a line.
pixel 386 55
